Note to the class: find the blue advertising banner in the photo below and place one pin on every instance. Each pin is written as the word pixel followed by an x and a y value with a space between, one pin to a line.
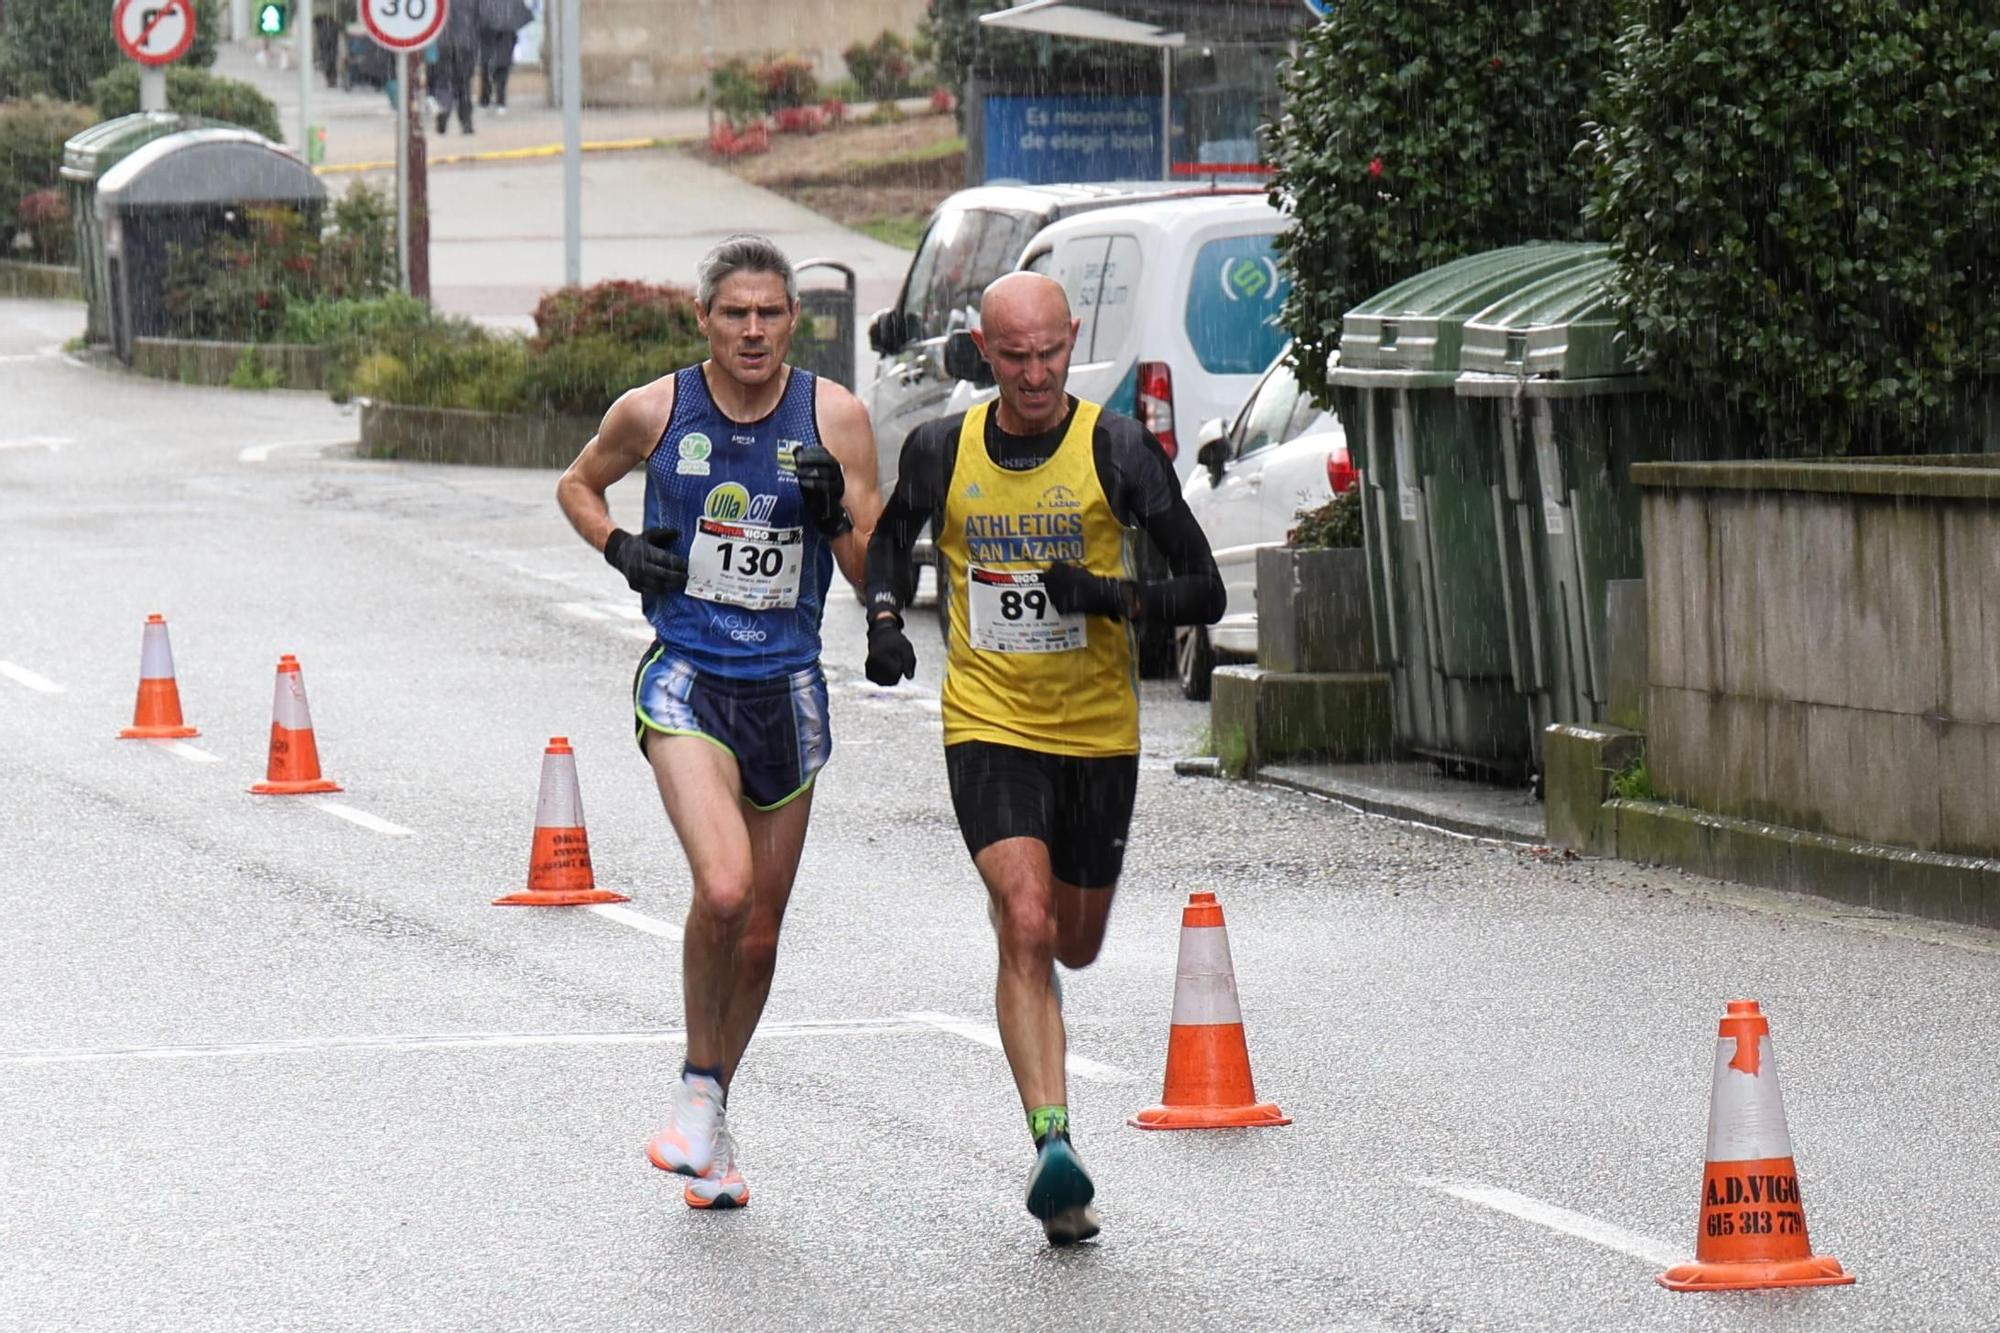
pixel 1042 139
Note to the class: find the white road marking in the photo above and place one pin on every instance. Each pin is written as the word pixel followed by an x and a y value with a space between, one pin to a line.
pixel 194 754
pixel 624 610
pixel 447 1041
pixel 363 818
pixel 52 443
pixel 584 611
pixel 1580 1225
pixel 261 453
pixel 640 634
pixel 988 1035
pixel 23 676
pixel 625 916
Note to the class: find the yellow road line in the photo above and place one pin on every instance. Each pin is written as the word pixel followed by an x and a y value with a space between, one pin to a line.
pixel 504 155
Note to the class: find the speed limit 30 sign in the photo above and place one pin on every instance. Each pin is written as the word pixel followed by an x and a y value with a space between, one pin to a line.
pixel 154 32
pixel 403 25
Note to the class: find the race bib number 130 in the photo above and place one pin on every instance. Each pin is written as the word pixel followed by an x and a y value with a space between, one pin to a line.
pixel 1008 611
pixel 743 564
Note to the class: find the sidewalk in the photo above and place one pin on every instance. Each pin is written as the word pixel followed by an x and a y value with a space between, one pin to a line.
pixel 1412 791
pixel 361 127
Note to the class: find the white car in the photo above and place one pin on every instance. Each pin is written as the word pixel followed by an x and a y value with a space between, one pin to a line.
pixel 1178 301
pixel 1279 454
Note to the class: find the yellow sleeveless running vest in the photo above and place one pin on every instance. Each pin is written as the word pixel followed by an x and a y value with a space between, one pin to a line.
pixel 1016 673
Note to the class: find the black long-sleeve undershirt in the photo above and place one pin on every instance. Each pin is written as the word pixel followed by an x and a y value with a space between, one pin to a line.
pixel 1133 470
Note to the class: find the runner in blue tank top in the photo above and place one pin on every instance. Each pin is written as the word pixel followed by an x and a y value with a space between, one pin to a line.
pixel 760 478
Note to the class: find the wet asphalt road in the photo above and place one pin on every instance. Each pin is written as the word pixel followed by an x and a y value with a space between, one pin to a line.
pixel 264 1065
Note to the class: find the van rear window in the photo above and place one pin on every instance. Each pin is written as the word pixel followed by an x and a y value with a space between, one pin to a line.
pixel 1233 302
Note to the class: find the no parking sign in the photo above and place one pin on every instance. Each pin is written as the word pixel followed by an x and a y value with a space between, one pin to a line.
pixel 154 32
pixel 403 25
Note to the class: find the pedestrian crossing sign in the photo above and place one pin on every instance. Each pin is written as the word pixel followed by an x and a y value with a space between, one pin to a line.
pixel 273 17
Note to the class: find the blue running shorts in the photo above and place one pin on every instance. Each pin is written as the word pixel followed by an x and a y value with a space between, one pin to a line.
pixel 775 727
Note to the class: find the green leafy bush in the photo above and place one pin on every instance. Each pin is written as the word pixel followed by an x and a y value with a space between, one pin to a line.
pixel 627 311
pixel 192 92
pixel 1804 200
pixel 58 48
pixel 1418 131
pixel 882 68
pixel 1332 526
pixel 32 134
pixel 250 372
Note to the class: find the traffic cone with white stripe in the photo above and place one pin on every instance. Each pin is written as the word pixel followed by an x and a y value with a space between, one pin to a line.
pixel 559 873
pixel 293 769
pixel 1752 1231
pixel 1208 1060
pixel 156 716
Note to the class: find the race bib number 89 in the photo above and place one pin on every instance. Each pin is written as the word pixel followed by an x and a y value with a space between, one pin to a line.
pixel 742 564
pixel 1008 611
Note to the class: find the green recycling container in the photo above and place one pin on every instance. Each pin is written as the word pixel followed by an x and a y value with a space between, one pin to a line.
pixel 86 157
pixel 1445 576
pixel 1571 414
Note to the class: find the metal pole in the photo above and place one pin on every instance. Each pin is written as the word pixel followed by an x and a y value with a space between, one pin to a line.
pixel 152 88
pixel 708 62
pixel 303 26
pixel 572 84
pixel 402 67
pixel 1166 113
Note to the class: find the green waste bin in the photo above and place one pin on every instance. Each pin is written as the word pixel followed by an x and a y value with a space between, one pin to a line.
pixel 86 157
pixel 1571 414
pixel 1446 576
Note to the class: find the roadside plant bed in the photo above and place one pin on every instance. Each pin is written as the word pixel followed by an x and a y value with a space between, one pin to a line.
pixel 1312 594
pixel 44 282
pixel 882 179
pixel 447 390
pixel 240 365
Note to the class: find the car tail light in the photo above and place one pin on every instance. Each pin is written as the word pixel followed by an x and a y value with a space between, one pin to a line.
pixel 1340 473
pixel 1156 404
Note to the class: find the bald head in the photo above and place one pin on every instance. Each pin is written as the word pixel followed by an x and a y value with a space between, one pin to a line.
pixel 1026 333
pixel 1024 300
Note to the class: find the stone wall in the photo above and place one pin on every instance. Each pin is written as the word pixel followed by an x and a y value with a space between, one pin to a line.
pixel 649 52
pixel 1823 646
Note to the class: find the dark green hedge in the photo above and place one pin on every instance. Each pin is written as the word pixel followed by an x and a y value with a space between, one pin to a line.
pixel 192 92
pixel 1804 196
pixel 58 48
pixel 1417 131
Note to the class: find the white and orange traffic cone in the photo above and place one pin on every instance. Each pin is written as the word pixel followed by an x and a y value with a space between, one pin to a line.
pixel 294 766
pixel 1208 1060
pixel 156 716
pixel 1752 1231
pixel 559 873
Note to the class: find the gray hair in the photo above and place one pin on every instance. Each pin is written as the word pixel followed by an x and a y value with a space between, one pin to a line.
pixel 742 253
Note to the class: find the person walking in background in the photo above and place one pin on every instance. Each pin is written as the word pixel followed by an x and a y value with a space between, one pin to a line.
pixel 457 56
pixel 500 22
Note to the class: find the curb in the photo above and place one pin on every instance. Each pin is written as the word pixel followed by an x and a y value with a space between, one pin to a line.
pixel 538 151
pixel 1371 801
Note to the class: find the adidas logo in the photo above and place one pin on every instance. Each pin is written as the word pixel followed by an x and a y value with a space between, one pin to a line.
pixel 973 492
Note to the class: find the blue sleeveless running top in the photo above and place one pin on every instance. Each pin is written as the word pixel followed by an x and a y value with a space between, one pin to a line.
pixel 758 569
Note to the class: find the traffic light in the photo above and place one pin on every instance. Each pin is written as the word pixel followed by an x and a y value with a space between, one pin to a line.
pixel 273 17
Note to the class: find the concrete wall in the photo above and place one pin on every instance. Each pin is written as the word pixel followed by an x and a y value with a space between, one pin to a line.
pixel 649 52
pixel 1823 646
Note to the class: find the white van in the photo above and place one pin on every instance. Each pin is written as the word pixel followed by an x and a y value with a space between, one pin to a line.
pixel 1179 303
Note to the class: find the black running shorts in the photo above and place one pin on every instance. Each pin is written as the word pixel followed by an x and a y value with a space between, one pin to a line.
pixel 1080 808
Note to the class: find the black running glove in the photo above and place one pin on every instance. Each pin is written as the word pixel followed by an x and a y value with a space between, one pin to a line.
pixel 1074 590
pixel 890 656
pixel 823 485
pixel 647 561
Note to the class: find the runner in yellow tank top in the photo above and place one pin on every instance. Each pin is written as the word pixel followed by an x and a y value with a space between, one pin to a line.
pixel 1031 499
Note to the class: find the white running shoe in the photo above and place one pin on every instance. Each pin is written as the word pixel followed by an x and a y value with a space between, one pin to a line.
pixel 687 1145
pixel 722 1185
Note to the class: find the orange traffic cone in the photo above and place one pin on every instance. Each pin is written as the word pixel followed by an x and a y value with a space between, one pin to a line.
pixel 559 873
pixel 1208 1061
pixel 157 714
pixel 1753 1227
pixel 294 766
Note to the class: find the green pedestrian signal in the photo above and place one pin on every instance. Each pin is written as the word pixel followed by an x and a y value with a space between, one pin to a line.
pixel 273 17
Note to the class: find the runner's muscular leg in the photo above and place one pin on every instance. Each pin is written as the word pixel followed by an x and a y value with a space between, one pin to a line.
pixel 1081 917
pixel 702 789
pixel 777 838
pixel 1017 875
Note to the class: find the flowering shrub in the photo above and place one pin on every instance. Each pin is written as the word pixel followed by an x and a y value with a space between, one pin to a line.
pixel 630 312
pixel 881 68
pixel 44 217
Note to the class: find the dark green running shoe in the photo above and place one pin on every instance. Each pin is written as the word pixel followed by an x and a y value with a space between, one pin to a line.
pixel 1059 1193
